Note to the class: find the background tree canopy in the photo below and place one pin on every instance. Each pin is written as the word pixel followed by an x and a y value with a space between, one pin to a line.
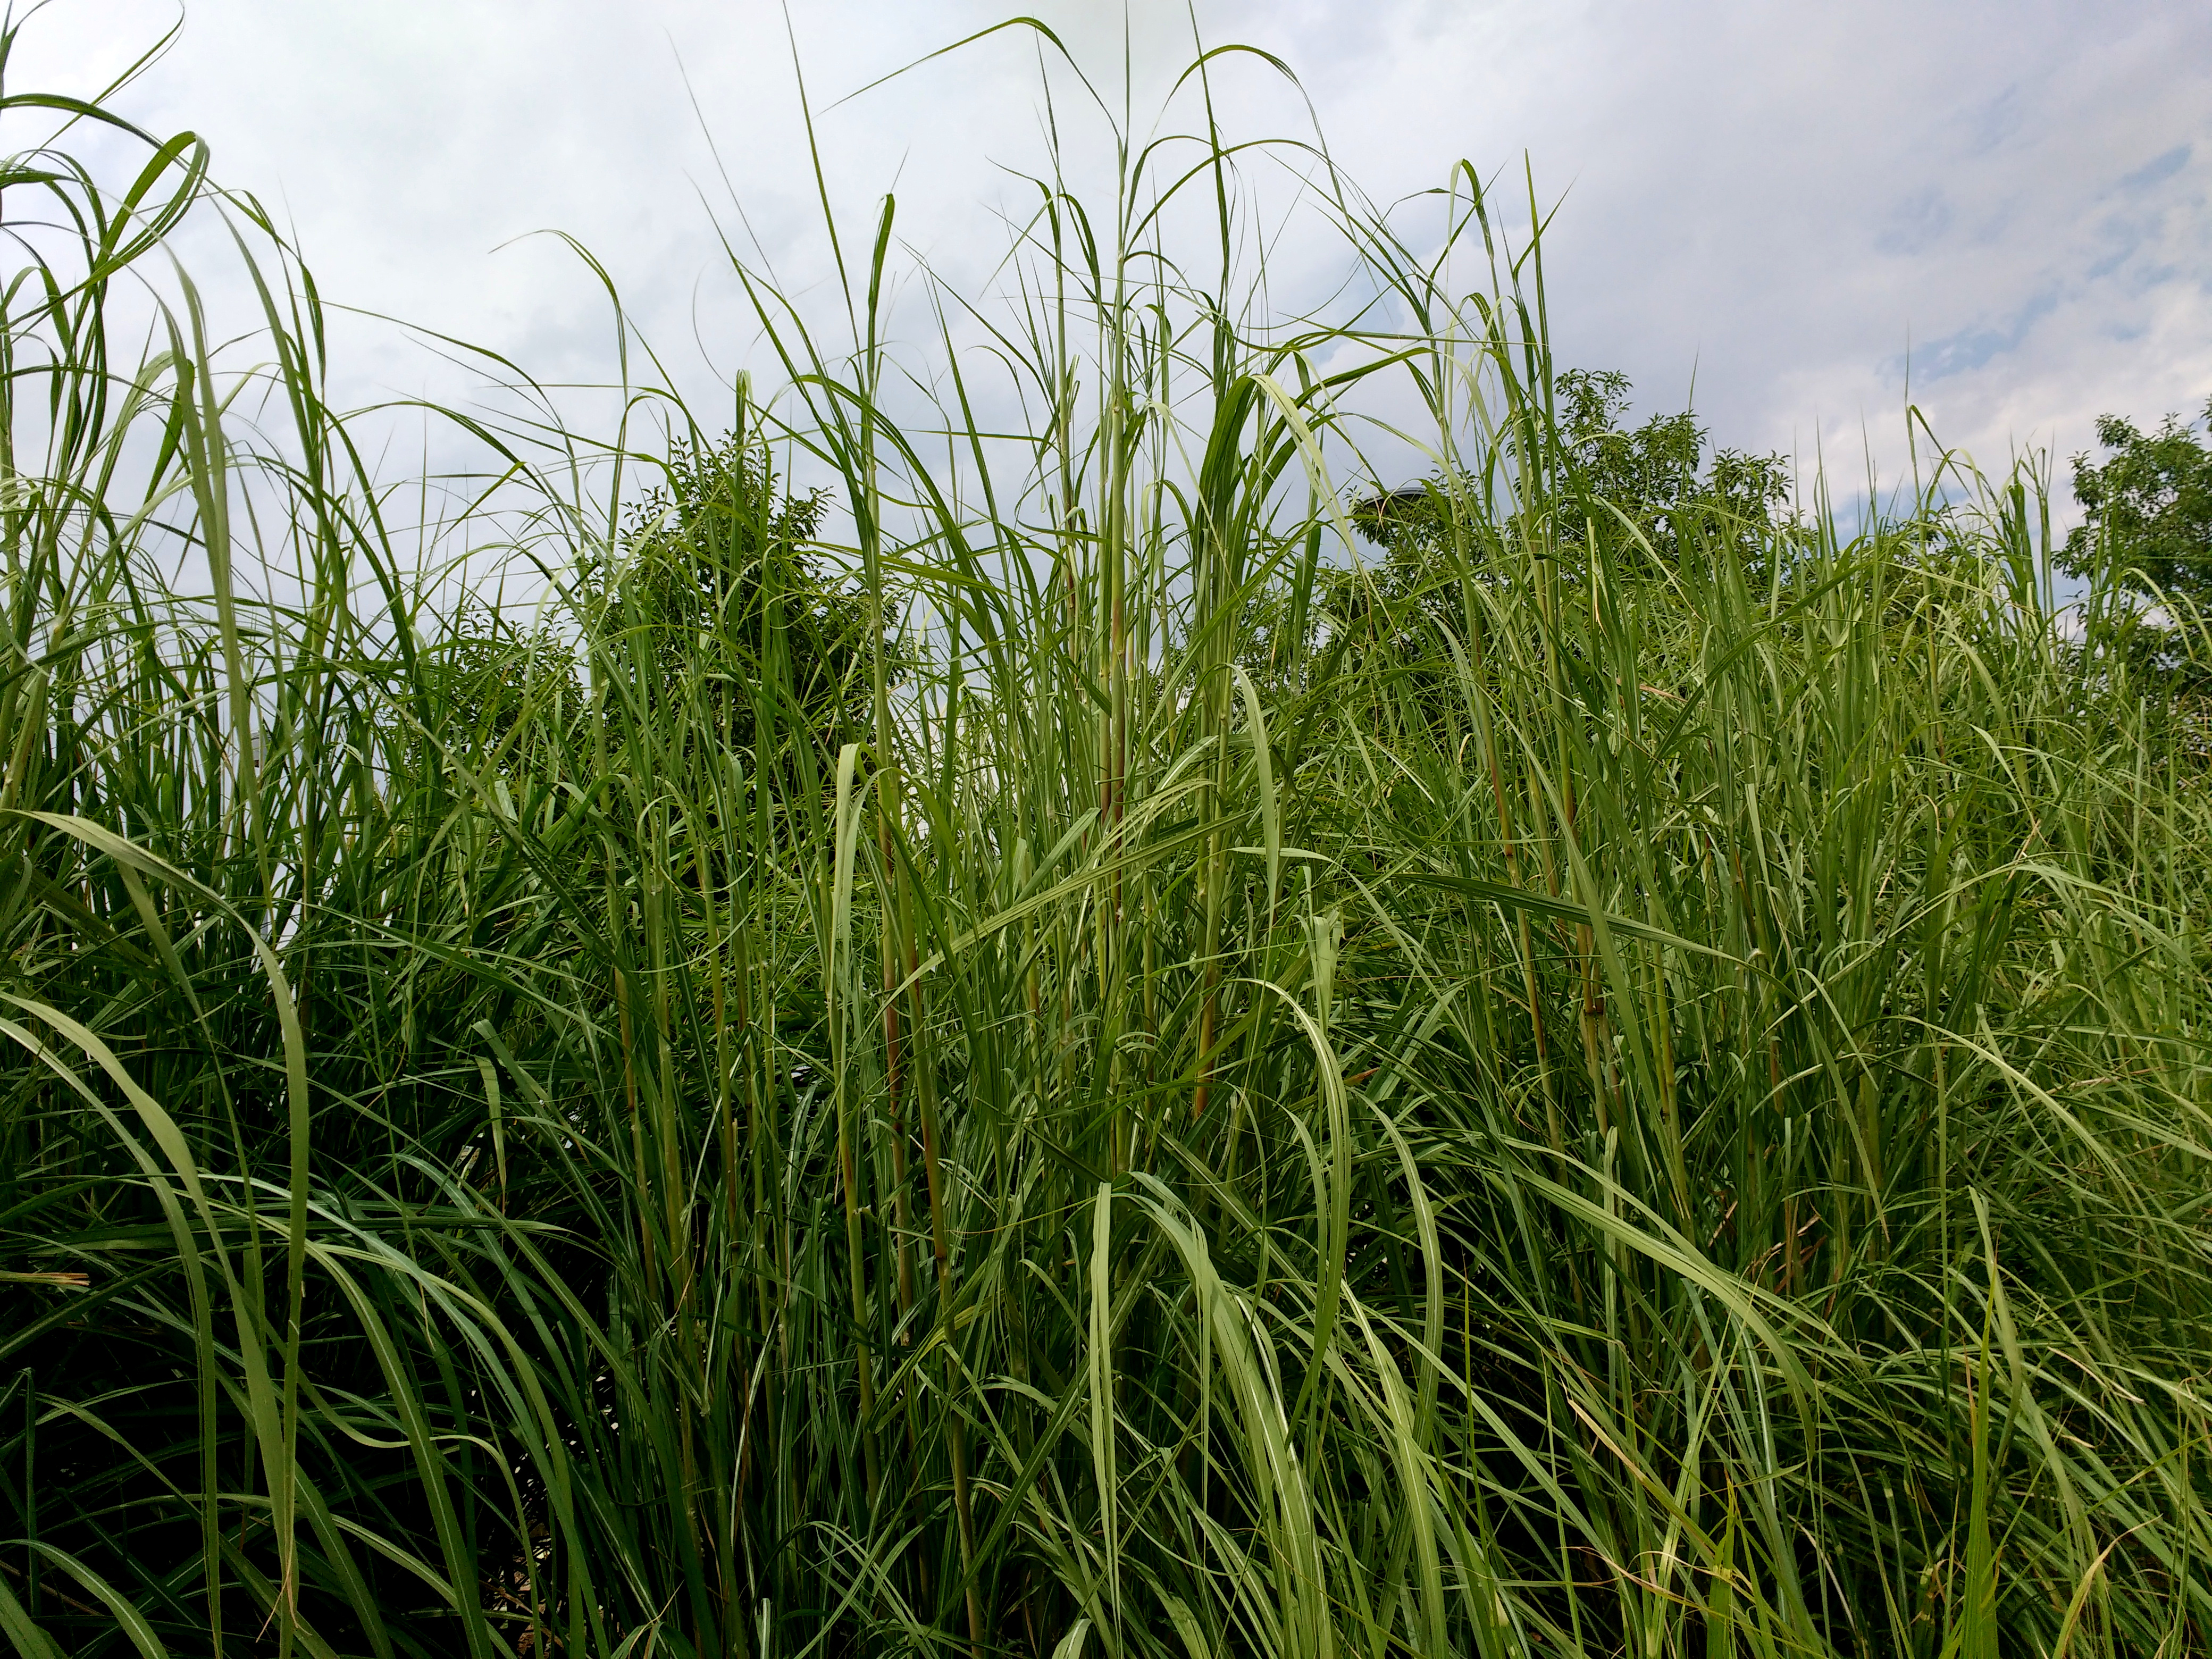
pixel 1655 479
pixel 726 601
pixel 2148 532
pixel 1644 493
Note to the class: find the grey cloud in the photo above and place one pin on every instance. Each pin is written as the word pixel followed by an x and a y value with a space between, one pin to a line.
pixel 1916 223
pixel 1976 346
pixel 1773 199
pixel 1993 123
pixel 2163 168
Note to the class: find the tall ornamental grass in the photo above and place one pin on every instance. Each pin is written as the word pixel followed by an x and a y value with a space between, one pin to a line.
pixel 1024 1057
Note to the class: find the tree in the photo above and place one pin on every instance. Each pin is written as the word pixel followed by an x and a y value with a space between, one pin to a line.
pixel 2147 533
pixel 1660 486
pixel 1657 474
pixel 1657 477
pixel 732 610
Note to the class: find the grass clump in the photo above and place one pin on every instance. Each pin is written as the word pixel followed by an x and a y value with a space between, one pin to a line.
pixel 1629 1083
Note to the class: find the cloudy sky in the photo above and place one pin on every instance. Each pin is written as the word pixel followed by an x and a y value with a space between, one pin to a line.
pixel 1786 205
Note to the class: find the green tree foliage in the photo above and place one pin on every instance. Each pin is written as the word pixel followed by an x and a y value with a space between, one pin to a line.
pixel 509 678
pixel 1636 496
pixel 1655 482
pixel 1658 476
pixel 726 602
pixel 2147 533
pixel 714 608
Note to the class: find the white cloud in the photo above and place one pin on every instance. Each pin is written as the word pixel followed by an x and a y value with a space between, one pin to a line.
pixel 1786 203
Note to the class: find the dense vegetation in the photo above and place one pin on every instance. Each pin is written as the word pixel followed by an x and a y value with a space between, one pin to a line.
pixel 1074 1072
pixel 2146 542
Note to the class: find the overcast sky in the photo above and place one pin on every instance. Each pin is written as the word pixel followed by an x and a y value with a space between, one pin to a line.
pixel 1776 201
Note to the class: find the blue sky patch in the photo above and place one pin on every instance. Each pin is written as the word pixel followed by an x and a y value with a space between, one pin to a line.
pixel 2163 166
